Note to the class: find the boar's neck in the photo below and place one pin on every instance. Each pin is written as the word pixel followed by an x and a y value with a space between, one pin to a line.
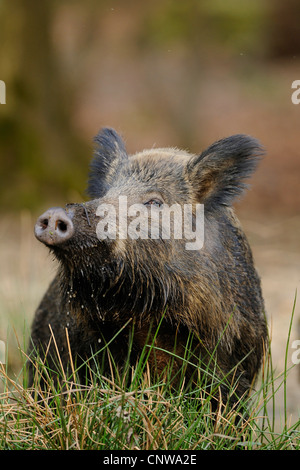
pixel 110 297
pixel 101 294
pixel 113 293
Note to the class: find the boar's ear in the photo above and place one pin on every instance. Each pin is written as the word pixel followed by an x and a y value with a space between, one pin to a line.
pixel 110 153
pixel 217 175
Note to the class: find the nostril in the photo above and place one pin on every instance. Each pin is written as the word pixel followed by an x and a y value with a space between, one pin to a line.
pixel 44 223
pixel 61 225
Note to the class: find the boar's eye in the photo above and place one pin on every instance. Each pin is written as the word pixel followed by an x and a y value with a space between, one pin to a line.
pixel 154 202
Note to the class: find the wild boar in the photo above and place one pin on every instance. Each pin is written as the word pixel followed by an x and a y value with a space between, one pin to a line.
pixel 121 275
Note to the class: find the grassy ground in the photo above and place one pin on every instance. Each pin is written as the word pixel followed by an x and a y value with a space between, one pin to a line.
pixel 125 411
pixel 128 411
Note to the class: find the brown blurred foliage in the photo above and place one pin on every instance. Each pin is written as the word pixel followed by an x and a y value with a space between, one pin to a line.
pixel 162 72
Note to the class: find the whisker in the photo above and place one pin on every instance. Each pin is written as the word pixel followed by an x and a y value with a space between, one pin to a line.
pixel 86 213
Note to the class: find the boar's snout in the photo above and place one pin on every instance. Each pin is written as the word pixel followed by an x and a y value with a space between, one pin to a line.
pixel 54 227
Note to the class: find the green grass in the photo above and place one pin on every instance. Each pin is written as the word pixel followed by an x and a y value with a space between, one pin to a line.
pixel 127 410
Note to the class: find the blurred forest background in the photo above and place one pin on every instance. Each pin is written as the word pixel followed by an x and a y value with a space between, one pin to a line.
pixel 162 73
